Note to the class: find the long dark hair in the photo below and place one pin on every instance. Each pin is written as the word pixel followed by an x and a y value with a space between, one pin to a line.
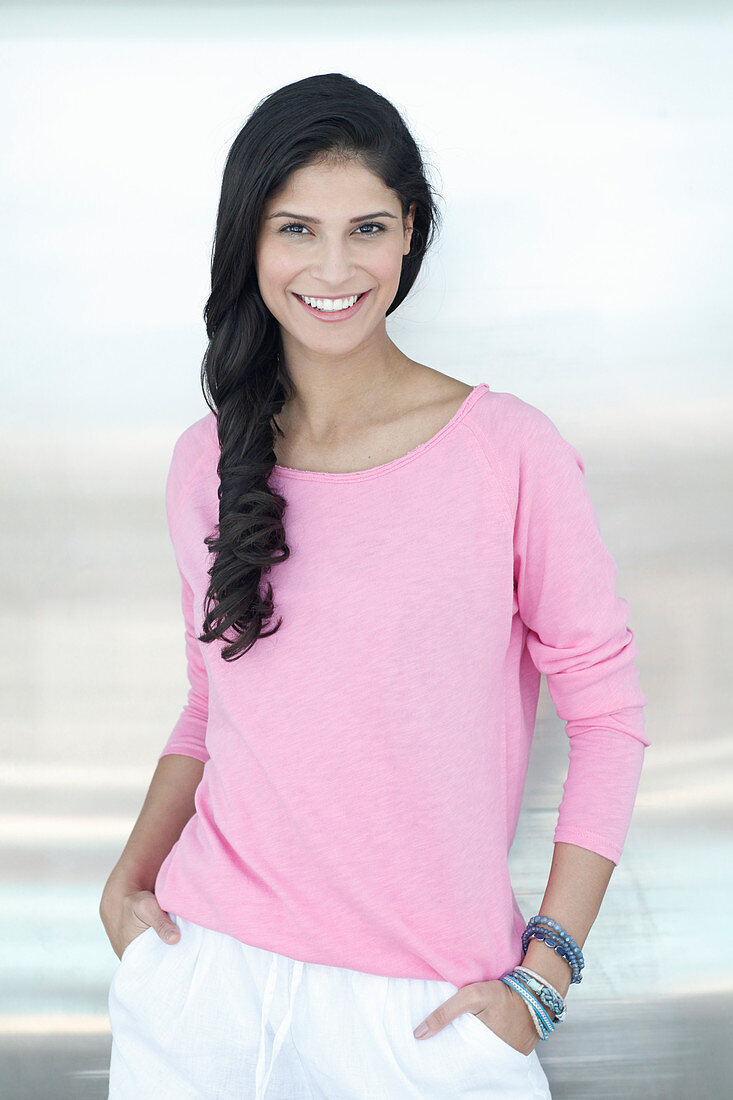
pixel 329 117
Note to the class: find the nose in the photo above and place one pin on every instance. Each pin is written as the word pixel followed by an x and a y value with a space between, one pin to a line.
pixel 334 267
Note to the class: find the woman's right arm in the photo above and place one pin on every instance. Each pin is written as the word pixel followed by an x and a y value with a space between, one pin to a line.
pixel 128 904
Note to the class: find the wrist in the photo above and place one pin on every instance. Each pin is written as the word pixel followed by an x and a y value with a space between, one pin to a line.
pixel 121 882
pixel 535 998
pixel 545 961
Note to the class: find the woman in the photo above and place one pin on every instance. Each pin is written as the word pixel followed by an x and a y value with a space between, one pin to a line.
pixel 378 562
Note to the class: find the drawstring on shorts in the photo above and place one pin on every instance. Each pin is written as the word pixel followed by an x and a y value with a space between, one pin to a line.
pixel 263 1076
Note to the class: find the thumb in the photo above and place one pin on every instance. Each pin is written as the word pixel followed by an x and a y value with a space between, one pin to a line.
pixel 167 929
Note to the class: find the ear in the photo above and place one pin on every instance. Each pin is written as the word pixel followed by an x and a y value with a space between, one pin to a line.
pixel 409 223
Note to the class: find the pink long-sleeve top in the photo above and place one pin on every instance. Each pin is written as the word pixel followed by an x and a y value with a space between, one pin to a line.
pixel 364 765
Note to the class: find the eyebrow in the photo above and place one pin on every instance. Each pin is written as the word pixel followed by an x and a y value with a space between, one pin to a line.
pixel 317 221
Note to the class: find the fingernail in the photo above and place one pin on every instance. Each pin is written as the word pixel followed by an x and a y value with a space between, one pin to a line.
pixel 169 935
pixel 420 1031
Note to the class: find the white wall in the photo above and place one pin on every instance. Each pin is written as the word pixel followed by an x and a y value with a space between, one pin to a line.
pixel 584 153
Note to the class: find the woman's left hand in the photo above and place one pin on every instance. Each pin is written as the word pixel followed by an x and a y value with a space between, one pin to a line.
pixel 497 1005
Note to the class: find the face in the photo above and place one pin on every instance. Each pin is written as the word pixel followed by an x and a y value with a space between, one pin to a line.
pixel 334 232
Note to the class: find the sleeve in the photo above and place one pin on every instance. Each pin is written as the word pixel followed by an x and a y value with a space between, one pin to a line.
pixel 578 636
pixel 188 736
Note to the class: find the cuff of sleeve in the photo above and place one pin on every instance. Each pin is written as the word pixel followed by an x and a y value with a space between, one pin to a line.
pixel 568 834
pixel 196 751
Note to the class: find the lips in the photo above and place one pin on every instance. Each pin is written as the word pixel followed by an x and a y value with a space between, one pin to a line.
pixel 335 298
pixel 334 315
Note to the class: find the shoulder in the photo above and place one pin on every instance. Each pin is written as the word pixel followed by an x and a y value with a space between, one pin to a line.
pixel 521 444
pixel 515 429
pixel 193 452
pixel 507 420
pixel 198 436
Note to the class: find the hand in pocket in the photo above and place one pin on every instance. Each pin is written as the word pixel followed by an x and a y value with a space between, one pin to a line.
pixel 126 915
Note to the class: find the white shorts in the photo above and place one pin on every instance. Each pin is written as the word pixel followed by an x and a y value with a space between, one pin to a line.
pixel 212 1018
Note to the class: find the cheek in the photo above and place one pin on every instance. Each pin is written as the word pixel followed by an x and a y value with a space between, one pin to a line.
pixel 386 266
pixel 276 268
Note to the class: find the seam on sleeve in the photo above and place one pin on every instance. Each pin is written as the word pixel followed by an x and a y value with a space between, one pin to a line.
pixel 186 487
pixel 493 461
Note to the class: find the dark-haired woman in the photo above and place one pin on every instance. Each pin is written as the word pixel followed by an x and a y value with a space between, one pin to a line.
pixel 378 562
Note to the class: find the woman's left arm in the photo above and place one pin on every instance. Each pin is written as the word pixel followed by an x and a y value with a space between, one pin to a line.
pixel 578 637
pixel 575 889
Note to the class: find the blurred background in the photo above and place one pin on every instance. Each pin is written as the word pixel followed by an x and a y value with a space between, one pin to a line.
pixel 583 153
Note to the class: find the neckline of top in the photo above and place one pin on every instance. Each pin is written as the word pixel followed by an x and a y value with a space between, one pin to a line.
pixel 375 471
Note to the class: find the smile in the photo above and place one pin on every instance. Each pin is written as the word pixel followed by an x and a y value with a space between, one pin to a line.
pixel 332 309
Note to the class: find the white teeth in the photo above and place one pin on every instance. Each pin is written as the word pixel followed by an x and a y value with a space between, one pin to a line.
pixel 328 305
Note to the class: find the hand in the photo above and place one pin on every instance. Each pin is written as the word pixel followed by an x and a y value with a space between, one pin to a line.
pixel 497 1005
pixel 127 915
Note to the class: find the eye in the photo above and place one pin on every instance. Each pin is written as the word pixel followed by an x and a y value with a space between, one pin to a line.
pixel 365 225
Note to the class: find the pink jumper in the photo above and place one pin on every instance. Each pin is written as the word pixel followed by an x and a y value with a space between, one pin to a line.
pixel 365 764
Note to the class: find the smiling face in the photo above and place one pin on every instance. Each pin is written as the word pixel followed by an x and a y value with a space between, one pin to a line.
pixel 333 232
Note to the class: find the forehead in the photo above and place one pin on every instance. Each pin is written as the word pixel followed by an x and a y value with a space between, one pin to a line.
pixel 334 186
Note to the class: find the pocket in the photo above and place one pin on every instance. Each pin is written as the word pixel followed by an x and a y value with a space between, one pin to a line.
pixel 136 965
pixel 132 945
pixel 483 1034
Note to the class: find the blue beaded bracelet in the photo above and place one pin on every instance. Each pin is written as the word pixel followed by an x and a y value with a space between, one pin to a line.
pixel 555 936
pixel 552 928
pixel 559 940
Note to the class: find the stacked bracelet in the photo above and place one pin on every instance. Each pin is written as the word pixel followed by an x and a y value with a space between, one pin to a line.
pixel 555 936
pixel 540 1017
pixel 546 993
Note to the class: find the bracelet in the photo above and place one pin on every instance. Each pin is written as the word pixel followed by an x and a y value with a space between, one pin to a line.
pixel 547 993
pixel 542 1021
pixel 555 936
pixel 536 1008
pixel 539 1025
